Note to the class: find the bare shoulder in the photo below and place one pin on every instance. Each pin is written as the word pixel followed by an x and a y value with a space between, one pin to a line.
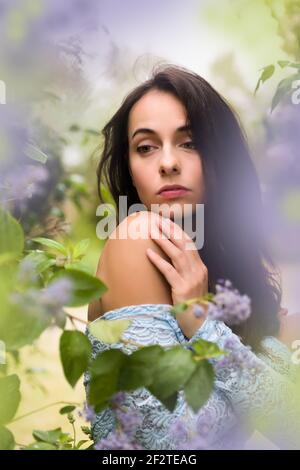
pixel 124 267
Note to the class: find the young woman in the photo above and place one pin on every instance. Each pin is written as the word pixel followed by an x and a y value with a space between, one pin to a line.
pixel 176 130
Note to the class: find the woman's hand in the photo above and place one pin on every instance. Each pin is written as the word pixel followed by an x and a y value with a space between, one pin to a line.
pixel 186 274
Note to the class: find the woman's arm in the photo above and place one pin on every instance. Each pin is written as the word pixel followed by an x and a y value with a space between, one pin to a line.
pixel 127 272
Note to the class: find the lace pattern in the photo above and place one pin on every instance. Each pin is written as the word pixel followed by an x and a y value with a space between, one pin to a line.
pixel 257 391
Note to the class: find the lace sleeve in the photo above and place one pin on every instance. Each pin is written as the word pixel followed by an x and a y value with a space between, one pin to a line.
pixel 260 386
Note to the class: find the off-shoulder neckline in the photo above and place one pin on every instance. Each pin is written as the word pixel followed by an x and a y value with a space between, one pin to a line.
pixel 132 306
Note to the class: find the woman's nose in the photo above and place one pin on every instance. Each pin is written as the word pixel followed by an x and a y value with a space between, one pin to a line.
pixel 169 164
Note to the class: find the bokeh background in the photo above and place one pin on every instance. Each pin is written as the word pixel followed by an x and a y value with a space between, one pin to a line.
pixel 65 67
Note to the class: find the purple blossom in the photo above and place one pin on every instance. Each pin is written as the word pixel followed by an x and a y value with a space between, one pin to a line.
pixel 239 358
pixel 198 311
pixel 26 273
pixel 88 412
pixel 187 437
pixel 129 422
pixel 23 183
pixel 117 440
pixel 47 301
pixel 229 305
pixel 55 19
pixel 58 293
pixel 118 398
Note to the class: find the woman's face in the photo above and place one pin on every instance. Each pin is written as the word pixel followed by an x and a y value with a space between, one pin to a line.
pixel 163 155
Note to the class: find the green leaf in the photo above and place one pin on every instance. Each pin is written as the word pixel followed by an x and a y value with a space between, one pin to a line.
pixel 7 441
pixel 283 89
pixel 283 63
pixel 80 443
pixel 85 287
pixel 267 73
pixel 200 385
pixel 41 446
pixel 170 402
pixel 75 350
pixel 19 328
pixel 108 331
pixel 79 266
pixel 6 258
pixel 172 371
pixel 11 234
pixel 80 248
pixel 41 260
pixel 206 349
pixel 287 63
pixel 67 409
pixel 139 367
pixel 179 308
pixel 10 397
pixel 51 437
pixel 105 371
pixel 54 245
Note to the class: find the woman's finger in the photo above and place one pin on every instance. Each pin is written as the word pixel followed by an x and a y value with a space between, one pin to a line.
pixel 179 258
pixel 180 238
pixel 167 270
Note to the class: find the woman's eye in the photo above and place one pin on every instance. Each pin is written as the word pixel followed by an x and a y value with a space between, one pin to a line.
pixel 190 142
pixel 139 149
pixel 145 147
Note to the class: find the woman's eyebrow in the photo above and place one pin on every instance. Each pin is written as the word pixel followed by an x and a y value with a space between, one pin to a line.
pixel 145 130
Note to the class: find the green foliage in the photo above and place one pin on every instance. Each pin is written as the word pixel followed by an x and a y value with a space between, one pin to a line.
pixel 54 439
pixel 199 385
pixel 108 331
pixel 11 234
pixel 75 350
pixel 163 372
pixel 10 397
pixel 67 409
pixel 267 73
pixel 285 86
pixel 85 287
pixel 7 441
pixel 206 349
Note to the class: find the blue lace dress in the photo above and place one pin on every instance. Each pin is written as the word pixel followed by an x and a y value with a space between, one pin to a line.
pixel 236 394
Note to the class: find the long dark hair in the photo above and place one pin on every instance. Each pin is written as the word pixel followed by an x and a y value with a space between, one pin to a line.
pixel 235 245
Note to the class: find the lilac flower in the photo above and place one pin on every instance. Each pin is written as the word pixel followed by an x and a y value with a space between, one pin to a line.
pixel 47 301
pixel 239 358
pixel 26 273
pixel 117 440
pixel 13 136
pixel 229 305
pixel 118 398
pixel 56 294
pixel 124 436
pixel 178 430
pixel 198 311
pixel 24 182
pixel 129 421
pixel 187 437
pixel 56 20
pixel 88 413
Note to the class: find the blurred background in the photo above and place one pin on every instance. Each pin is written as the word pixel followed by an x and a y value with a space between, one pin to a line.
pixel 65 67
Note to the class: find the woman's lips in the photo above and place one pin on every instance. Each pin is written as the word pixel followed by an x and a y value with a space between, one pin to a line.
pixel 172 193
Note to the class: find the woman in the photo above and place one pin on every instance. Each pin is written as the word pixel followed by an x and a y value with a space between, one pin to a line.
pixel 175 129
